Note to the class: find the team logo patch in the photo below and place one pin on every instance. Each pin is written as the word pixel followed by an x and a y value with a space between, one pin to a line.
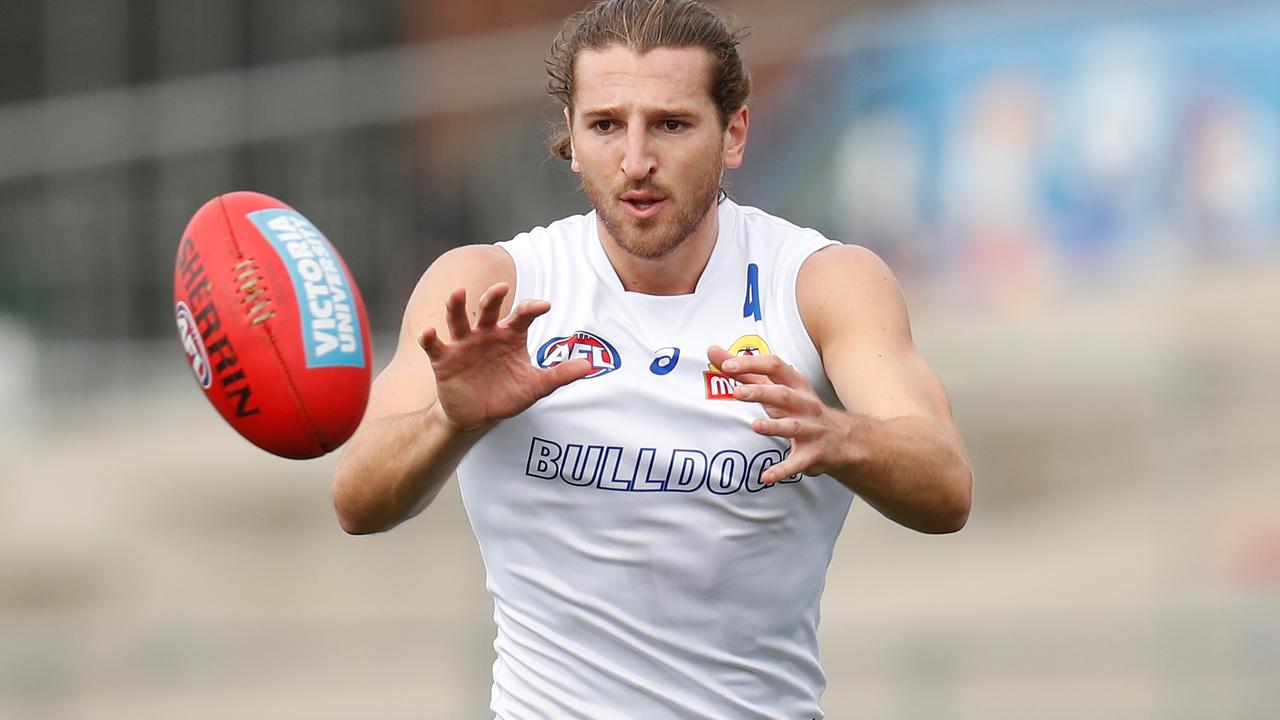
pixel 581 344
pixel 193 346
pixel 720 386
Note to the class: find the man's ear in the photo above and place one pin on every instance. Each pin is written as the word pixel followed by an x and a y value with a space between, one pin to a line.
pixel 573 156
pixel 735 138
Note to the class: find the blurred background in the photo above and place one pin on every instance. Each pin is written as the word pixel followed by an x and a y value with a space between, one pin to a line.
pixel 1082 201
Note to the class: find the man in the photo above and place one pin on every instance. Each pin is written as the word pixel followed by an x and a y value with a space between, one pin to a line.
pixel 656 512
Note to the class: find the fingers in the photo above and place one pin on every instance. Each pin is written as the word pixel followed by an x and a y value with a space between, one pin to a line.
pixel 563 374
pixel 791 465
pixel 491 305
pixel 774 397
pixel 718 356
pixel 525 313
pixel 455 314
pixel 785 427
pixel 429 340
pixel 799 461
pixel 488 308
pixel 770 366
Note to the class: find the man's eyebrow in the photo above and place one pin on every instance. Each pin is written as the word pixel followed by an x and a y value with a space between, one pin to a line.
pixel 601 112
pixel 614 111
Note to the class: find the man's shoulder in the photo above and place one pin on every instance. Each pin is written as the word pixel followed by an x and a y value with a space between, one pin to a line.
pixel 845 288
pixel 774 239
pixel 839 263
pixel 474 267
pixel 566 228
pixel 757 224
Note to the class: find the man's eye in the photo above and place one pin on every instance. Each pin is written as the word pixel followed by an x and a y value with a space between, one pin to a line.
pixel 602 125
pixel 672 125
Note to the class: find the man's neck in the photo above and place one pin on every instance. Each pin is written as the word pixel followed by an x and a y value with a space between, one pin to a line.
pixel 675 273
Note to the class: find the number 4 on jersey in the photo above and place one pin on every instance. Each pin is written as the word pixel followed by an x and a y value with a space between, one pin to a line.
pixel 751 307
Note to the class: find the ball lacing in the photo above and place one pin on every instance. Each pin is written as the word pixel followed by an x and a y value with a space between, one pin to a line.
pixel 252 287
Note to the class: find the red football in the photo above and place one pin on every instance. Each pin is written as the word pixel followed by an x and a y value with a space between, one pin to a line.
pixel 272 324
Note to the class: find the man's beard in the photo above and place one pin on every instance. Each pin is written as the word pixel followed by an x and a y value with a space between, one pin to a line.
pixel 655 237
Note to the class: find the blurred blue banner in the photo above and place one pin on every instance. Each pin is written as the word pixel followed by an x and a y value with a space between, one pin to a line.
pixel 1014 145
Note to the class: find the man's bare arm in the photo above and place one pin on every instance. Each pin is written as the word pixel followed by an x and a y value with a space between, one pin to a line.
pixel 894 443
pixel 457 370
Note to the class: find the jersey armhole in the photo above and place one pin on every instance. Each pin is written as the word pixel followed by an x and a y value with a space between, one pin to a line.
pixel 526 262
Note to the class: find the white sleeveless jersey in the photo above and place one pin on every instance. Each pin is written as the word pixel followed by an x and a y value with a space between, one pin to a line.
pixel 638 567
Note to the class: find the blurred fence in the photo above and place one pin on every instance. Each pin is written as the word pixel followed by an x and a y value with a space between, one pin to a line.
pixel 101 167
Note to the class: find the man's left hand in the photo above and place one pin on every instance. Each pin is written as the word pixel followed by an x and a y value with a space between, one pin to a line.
pixel 821 437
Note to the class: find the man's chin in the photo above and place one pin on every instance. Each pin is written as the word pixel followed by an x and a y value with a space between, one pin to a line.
pixel 645 245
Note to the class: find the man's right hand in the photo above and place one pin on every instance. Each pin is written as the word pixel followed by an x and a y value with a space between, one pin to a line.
pixel 483 374
pixel 447 376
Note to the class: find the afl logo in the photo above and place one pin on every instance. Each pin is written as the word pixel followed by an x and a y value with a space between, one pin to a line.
pixel 194 347
pixel 584 345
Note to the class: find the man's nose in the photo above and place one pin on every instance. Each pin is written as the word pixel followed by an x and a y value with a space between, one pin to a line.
pixel 638 162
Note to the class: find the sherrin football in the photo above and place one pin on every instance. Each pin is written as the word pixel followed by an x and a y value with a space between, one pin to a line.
pixel 272 325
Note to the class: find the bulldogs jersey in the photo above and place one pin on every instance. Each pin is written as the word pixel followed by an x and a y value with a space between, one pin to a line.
pixel 638 566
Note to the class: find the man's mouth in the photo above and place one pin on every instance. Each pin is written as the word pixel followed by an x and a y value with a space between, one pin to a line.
pixel 642 203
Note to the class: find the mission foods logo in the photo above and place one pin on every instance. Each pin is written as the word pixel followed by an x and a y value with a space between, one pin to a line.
pixel 580 345
pixel 331 334
pixel 720 386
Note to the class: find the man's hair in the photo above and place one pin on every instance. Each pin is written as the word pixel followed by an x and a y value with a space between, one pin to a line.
pixel 641 26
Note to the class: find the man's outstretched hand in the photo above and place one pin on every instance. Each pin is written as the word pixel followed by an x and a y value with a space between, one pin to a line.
pixel 483 374
pixel 820 436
